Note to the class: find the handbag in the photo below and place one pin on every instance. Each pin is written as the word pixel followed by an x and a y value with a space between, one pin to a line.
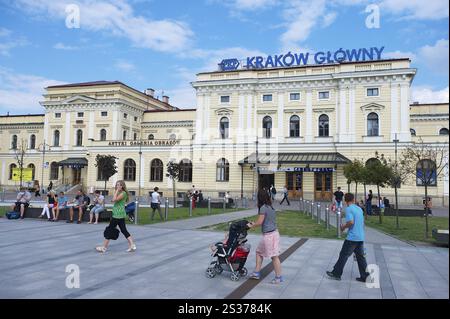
pixel 111 233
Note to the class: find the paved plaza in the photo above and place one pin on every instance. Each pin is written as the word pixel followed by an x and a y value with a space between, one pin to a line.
pixel 172 257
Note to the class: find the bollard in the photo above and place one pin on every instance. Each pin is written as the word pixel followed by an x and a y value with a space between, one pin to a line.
pixel 319 214
pixel 338 223
pixel 136 202
pixel 166 209
pixel 236 203
pixel 327 217
pixel 190 207
pixel 3 195
pixel 312 210
pixel 209 205
pixel 245 202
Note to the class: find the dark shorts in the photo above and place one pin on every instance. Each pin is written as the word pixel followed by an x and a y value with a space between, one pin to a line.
pixel 20 203
pixel 154 205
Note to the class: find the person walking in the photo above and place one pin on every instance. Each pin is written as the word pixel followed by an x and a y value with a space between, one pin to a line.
pixel 273 192
pixel 262 193
pixel 354 243
pixel 369 203
pixel 285 196
pixel 119 199
pixel 155 203
pixel 269 246
pixel 37 189
pixel 50 186
pixel 338 196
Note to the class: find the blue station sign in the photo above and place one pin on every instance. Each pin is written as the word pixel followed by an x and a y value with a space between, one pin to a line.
pixel 298 59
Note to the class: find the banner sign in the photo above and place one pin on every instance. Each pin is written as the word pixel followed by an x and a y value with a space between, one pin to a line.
pixel 298 59
pixel 27 174
pixel 264 170
pixel 145 143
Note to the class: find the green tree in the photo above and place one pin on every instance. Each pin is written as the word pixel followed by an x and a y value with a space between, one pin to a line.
pixel 354 172
pixel 426 164
pixel 378 173
pixel 173 172
pixel 106 165
pixel 19 154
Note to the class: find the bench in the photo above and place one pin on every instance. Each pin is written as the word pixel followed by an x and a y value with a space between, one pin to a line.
pixel 440 235
pixel 35 212
pixel 204 204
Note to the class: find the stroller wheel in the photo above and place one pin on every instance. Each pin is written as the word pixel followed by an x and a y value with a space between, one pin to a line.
pixel 235 276
pixel 243 272
pixel 210 273
pixel 218 268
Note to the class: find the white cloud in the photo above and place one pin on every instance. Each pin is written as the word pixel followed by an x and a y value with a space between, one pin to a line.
pixel 435 57
pixel 252 4
pixel 4 32
pixel 183 97
pixel 117 19
pixel 124 66
pixel 400 54
pixel 9 42
pixel 425 94
pixel 417 9
pixel 21 93
pixel 62 46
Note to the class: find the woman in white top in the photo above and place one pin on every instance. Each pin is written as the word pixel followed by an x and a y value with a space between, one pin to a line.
pixel 155 203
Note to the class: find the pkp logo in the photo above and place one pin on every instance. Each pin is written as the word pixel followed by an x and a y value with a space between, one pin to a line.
pixel 229 64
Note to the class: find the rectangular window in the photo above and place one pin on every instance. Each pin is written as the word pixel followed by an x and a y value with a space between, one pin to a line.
pixel 325 95
pixel 125 115
pixel 57 115
pixel 294 96
pixel 104 113
pixel 267 98
pixel 80 114
pixel 225 99
pixel 373 92
pixel 135 118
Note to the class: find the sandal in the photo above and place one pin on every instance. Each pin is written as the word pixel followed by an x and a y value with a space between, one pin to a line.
pixel 255 275
pixel 100 249
pixel 277 280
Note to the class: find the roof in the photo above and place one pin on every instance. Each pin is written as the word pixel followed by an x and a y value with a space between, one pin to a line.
pixel 21 115
pixel 175 110
pixel 74 161
pixel 291 158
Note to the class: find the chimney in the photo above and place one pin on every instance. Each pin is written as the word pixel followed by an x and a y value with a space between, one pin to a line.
pixel 150 92
pixel 165 99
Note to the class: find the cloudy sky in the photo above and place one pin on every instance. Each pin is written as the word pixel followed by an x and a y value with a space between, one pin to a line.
pixel 163 44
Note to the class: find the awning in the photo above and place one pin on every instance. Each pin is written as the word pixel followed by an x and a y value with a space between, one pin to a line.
pixel 74 162
pixel 293 158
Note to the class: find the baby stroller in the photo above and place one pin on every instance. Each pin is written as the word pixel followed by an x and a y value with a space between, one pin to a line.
pixel 231 255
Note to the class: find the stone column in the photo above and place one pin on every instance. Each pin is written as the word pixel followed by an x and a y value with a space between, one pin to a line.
pixel 309 117
pixel 405 134
pixel 115 124
pixel 343 133
pixel 199 119
pixel 67 130
pixel 280 126
pixel 394 110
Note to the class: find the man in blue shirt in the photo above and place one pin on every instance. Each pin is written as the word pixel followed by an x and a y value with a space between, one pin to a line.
pixel 354 242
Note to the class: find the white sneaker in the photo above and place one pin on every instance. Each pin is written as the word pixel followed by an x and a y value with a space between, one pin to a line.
pixel 131 249
pixel 101 249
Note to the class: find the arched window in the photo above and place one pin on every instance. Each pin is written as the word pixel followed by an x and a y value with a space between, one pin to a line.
pixel 56 138
pixel 156 170
pixel 129 170
pixel 412 131
pixel 324 125
pixel 33 170
pixel 224 125
pixel 372 124
pixel 54 171
pixel 443 131
pixel 79 138
pixel 124 135
pixel 172 137
pixel 222 170
pixel 102 134
pixel 267 127
pixel 426 173
pixel 11 168
pixel 185 171
pixel 32 142
pixel 14 142
pixel 151 137
pixel 294 126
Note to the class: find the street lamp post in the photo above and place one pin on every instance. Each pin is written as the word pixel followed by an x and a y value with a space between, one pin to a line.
pixel 396 180
pixel 257 167
pixel 43 166
pixel 139 179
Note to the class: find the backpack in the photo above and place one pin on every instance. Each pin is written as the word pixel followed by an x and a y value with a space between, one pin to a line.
pixel 13 215
pixel 87 199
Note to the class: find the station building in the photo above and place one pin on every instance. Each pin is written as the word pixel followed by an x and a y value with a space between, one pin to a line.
pixel 303 124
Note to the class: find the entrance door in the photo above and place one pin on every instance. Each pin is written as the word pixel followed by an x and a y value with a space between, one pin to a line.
pixel 323 186
pixel 294 182
pixel 266 180
pixel 76 176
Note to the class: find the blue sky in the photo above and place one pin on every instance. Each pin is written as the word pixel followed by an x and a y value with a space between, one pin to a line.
pixel 163 44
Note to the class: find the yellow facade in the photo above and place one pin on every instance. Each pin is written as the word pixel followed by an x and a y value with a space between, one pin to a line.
pixel 112 118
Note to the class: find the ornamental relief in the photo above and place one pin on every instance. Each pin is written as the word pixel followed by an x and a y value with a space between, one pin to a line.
pixel 372 107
